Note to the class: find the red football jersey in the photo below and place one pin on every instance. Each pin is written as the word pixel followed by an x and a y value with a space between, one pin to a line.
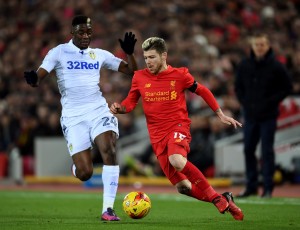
pixel 163 99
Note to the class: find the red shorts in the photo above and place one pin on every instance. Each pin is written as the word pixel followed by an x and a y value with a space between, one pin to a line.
pixel 175 143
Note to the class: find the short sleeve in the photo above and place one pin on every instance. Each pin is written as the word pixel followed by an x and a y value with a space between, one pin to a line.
pixel 51 59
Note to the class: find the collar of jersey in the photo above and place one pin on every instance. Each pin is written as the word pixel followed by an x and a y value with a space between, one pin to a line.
pixel 76 48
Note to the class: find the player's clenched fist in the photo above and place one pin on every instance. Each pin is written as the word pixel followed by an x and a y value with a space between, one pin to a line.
pixel 116 108
pixel 31 78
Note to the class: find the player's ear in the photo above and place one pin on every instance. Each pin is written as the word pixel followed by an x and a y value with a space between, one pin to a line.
pixel 164 56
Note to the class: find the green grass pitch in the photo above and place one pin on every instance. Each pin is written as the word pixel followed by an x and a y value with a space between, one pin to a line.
pixel 28 210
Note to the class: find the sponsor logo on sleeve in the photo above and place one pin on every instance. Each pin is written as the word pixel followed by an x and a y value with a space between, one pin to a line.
pixel 71 148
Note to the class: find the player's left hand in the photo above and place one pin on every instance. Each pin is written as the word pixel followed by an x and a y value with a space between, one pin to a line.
pixel 226 119
pixel 128 43
pixel 230 121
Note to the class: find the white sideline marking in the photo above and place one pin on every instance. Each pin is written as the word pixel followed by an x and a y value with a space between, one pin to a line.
pixel 162 197
pixel 263 201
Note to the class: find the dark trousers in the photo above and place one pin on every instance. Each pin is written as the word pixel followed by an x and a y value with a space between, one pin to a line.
pixel 265 132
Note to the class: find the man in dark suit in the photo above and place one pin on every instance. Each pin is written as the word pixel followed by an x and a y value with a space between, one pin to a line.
pixel 261 84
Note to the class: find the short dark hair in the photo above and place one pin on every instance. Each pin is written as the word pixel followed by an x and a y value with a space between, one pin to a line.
pixel 155 43
pixel 260 35
pixel 81 19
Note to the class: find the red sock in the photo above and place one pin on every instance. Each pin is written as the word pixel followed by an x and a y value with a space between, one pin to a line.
pixel 208 195
pixel 201 189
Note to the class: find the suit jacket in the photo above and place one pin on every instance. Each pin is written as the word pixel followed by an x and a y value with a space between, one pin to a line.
pixel 260 86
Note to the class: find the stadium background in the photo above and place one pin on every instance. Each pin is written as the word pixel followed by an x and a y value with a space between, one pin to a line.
pixel 209 37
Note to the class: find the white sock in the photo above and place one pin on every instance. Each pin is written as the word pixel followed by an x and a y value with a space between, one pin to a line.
pixel 74 170
pixel 110 178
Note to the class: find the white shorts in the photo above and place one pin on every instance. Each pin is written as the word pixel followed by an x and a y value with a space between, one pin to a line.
pixel 81 131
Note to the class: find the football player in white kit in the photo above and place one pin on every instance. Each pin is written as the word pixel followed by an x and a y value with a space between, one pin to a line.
pixel 85 117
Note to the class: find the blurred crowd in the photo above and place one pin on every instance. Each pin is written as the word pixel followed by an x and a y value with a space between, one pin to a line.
pixel 209 37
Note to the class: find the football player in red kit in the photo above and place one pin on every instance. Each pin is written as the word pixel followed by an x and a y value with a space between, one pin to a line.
pixel 161 88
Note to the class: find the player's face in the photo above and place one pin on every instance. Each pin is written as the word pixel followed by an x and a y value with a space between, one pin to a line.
pixel 82 35
pixel 155 62
pixel 260 46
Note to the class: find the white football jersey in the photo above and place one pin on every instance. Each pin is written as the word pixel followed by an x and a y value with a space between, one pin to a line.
pixel 78 76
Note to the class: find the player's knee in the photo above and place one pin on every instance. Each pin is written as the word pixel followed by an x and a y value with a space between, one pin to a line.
pixel 184 190
pixel 84 174
pixel 109 155
pixel 109 158
pixel 177 161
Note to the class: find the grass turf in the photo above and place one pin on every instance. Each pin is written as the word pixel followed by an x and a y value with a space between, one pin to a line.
pixel 57 210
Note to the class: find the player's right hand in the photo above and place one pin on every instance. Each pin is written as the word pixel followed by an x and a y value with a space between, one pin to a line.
pixel 116 108
pixel 31 78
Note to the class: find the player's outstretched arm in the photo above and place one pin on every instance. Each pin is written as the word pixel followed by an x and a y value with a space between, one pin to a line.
pixel 209 98
pixel 226 119
pixel 117 108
